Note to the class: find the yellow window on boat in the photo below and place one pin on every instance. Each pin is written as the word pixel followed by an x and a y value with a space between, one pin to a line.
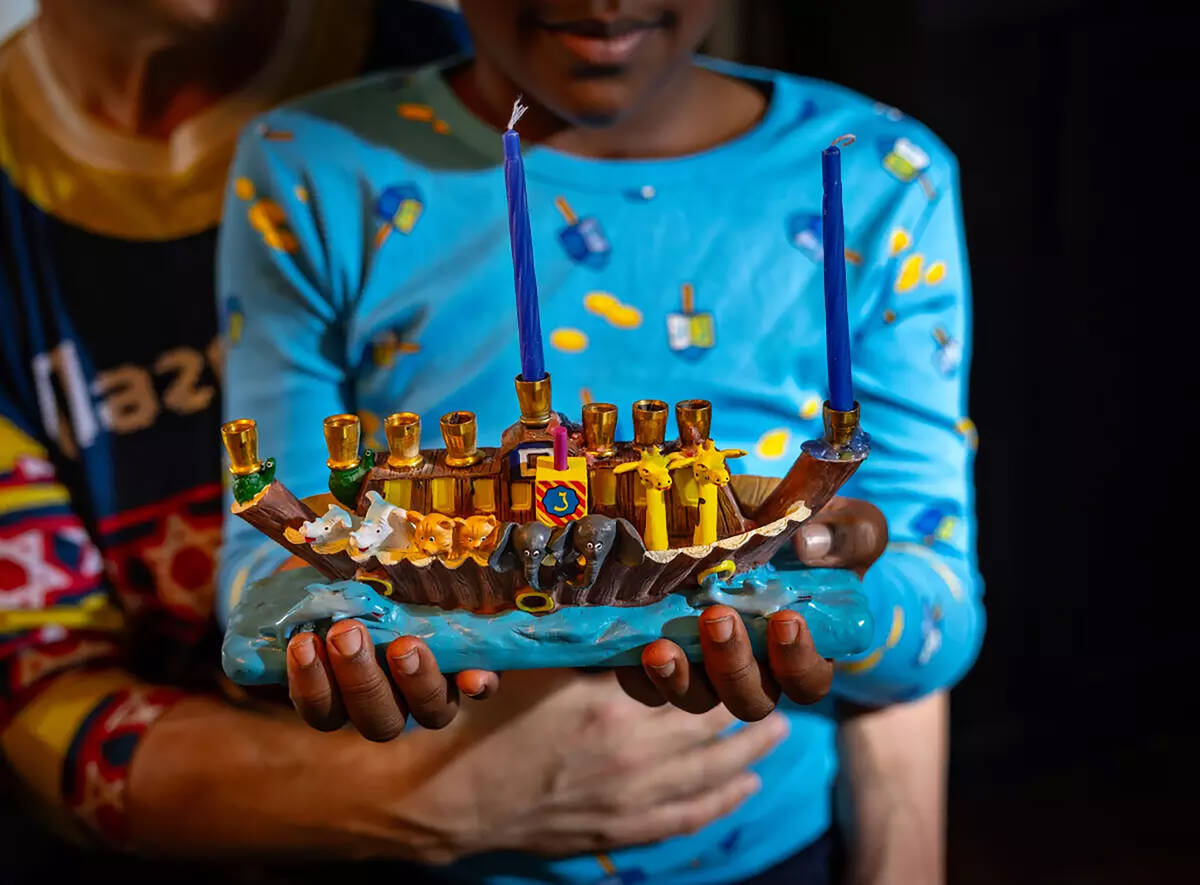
pixel 442 491
pixel 521 494
pixel 687 489
pixel 604 488
pixel 483 492
pixel 398 492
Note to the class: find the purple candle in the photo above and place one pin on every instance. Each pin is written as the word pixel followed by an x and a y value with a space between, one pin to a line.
pixel 560 447
pixel 529 322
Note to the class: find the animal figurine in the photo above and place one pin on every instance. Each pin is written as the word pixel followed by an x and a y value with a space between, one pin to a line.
pixel 582 547
pixel 433 533
pixel 326 534
pixel 522 547
pixel 711 473
pixel 329 602
pixel 475 538
pixel 345 483
pixel 246 486
pixel 385 533
pixel 654 472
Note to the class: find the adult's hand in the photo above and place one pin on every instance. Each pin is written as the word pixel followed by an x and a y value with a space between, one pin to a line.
pixel 341 678
pixel 559 763
pixel 846 533
pixel 583 768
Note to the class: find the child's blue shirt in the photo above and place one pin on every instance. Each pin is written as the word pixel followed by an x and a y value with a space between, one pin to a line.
pixel 365 267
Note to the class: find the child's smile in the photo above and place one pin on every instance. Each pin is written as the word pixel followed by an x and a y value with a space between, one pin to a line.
pixel 601 41
pixel 585 63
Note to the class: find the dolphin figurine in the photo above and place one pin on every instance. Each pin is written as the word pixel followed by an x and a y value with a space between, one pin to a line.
pixel 345 599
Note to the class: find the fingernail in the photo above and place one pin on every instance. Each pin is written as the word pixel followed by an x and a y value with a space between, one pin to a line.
pixel 751 784
pixel 816 540
pixel 663 671
pixel 719 629
pixel 471 694
pixel 409 662
pixel 349 642
pixel 784 630
pixel 304 652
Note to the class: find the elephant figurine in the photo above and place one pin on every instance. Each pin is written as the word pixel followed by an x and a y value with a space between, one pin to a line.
pixel 523 547
pixel 582 547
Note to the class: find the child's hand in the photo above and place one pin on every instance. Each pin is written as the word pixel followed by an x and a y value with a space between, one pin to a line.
pixel 339 679
pixel 847 533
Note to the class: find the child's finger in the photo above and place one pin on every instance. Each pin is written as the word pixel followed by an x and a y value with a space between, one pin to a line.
pixel 366 693
pixel 432 699
pixel 635 683
pixel 310 685
pixel 479 685
pixel 802 674
pixel 746 689
pixel 673 675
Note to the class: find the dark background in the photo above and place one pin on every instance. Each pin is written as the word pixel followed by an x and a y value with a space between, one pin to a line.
pixel 1071 124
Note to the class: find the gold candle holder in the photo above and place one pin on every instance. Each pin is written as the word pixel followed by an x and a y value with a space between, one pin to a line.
pixel 694 417
pixel 403 431
pixel 241 442
pixel 840 426
pixel 341 438
pixel 600 429
pixel 534 400
pixel 458 430
pixel 649 422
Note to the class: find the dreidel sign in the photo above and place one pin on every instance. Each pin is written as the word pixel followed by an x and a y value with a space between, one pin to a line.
pixel 399 207
pixel 583 238
pixel 689 333
pixel 561 484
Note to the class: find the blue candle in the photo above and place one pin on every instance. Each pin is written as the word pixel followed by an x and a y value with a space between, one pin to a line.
pixel 529 322
pixel 837 323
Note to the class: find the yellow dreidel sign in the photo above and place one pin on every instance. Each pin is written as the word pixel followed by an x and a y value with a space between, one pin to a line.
pixel 560 485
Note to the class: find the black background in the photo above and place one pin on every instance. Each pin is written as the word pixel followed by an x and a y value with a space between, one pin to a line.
pixel 1071 122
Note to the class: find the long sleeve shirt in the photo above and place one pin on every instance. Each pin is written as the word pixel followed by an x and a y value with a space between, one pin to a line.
pixel 368 259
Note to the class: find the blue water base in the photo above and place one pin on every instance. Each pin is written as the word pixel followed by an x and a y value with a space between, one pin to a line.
pixel 274 609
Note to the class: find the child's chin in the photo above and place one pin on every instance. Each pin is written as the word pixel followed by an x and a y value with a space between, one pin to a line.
pixel 597 104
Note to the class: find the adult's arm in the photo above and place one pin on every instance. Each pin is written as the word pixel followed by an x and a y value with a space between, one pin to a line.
pixel 71 716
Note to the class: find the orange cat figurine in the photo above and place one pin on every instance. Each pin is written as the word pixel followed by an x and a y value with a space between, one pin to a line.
pixel 476 537
pixel 433 535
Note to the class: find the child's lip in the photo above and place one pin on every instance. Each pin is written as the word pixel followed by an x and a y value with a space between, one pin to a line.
pixel 601 28
pixel 601 50
pixel 602 41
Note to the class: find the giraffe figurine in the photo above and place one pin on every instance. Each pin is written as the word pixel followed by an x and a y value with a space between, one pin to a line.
pixel 708 467
pixel 654 472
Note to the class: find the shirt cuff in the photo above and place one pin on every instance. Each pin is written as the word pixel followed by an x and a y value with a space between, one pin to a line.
pixel 74 743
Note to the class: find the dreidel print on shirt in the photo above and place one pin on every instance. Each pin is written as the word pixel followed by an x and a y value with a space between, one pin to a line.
pixel 804 231
pixel 582 238
pixel 690 334
pixel 907 162
pixel 399 207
